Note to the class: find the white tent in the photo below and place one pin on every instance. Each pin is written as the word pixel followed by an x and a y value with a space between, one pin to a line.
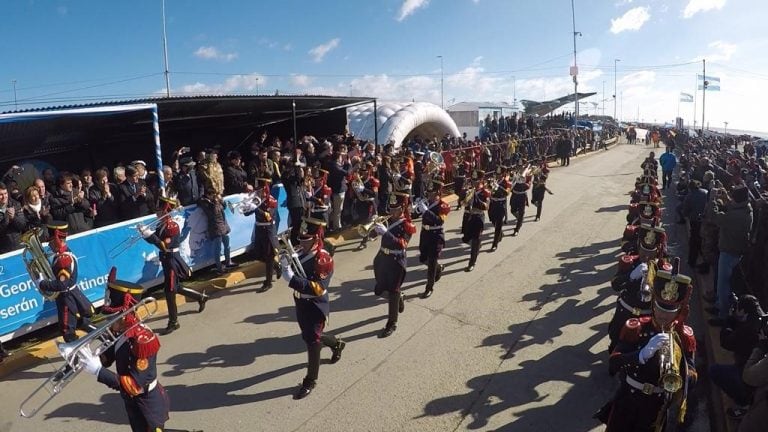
pixel 398 122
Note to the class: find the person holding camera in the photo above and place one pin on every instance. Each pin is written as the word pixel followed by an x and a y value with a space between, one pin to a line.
pixel 734 219
pixel 12 222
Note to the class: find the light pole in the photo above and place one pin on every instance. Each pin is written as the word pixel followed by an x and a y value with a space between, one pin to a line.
pixel 514 93
pixel 257 86
pixel 725 131
pixel 442 103
pixel 15 103
pixel 575 73
pixel 603 98
pixel 615 93
pixel 165 57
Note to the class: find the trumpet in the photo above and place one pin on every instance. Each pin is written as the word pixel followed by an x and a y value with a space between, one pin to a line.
pixel 287 250
pixel 251 200
pixel 133 239
pixel 98 342
pixel 669 367
pixel 365 230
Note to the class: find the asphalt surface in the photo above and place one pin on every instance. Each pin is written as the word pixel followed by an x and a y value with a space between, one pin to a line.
pixel 519 344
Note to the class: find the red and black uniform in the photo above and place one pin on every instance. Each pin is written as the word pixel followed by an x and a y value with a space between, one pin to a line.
pixel 497 209
pixel 474 221
pixel 135 358
pixel 72 306
pixel 167 239
pixel 319 201
pixel 264 243
pixel 538 190
pixel 432 237
pixel 310 295
pixel 459 179
pixel 518 202
pixel 390 264
pixel 365 204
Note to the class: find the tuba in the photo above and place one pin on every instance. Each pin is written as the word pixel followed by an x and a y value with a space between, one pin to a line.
pixel 36 261
pixel 97 342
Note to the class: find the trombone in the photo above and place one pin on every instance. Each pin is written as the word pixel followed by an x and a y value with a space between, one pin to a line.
pixel 242 206
pixel 286 249
pixel 97 342
pixel 133 239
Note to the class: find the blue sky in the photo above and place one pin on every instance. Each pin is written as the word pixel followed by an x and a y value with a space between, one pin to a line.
pixel 63 51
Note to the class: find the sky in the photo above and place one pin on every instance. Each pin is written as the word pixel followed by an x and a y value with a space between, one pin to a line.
pixel 59 52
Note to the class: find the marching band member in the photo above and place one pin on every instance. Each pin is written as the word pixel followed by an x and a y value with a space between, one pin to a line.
pixel 497 209
pixel 167 238
pixel 432 238
pixel 135 358
pixel 537 193
pixel 390 264
pixel 311 298
pixel 264 242
pixel 650 389
pixel 72 306
pixel 319 201
pixel 367 189
pixel 474 213
pixel 459 178
pixel 519 199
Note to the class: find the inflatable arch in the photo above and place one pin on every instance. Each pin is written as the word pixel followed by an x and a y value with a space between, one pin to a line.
pixel 399 122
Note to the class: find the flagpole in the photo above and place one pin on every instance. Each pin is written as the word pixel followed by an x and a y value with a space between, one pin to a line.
pixel 703 95
pixel 695 95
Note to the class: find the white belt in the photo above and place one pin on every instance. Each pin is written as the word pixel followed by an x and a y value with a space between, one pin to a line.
pixel 499 199
pixel 386 251
pixel 151 386
pixel 635 311
pixel 646 388
pixel 263 223
pixel 172 250
pixel 431 227
pixel 477 212
pixel 520 192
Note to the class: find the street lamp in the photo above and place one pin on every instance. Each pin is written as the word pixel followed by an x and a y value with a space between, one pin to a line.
pixel 615 93
pixel 514 93
pixel 442 103
pixel 15 103
pixel 725 131
pixel 575 73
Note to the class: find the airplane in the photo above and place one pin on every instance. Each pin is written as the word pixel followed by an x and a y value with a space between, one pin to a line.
pixel 546 107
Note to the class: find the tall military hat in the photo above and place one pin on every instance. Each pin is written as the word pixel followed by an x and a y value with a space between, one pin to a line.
pixel 670 291
pixel 263 181
pixel 121 295
pixel 168 204
pixel 313 227
pixel 648 210
pixel 57 229
pixel 398 200
pixel 651 241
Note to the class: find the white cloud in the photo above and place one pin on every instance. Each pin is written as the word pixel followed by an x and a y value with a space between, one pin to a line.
pixel 299 80
pixel 410 88
pixel 477 60
pixel 236 83
pixel 213 53
pixel 720 51
pixel 695 6
pixel 409 7
pixel 638 78
pixel 633 19
pixel 319 52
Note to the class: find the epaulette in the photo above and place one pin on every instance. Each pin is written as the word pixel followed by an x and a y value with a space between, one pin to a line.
pixel 146 343
pixel 687 338
pixel 632 328
pixel 409 227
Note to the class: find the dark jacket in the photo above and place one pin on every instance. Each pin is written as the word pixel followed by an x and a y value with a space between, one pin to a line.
pixel 337 177
pixel 77 213
pixel 189 190
pixel 214 212
pixel 37 220
pixel 694 203
pixel 107 209
pixel 235 180
pixel 734 225
pixel 11 229
pixel 293 188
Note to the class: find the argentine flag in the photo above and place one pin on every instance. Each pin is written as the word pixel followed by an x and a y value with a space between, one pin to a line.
pixel 711 83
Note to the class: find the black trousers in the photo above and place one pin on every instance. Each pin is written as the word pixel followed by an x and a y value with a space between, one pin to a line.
pixel 474 250
pixel 519 215
pixel 666 178
pixel 433 272
pixel 694 242
pixel 313 355
pixel 173 287
pixel 295 214
pixel 539 205
pixel 497 233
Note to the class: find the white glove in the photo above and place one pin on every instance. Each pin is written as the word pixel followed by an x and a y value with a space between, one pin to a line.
pixel 422 207
pixel 638 272
pixel 91 363
pixel 652 346
pixel 379 228
pixel 145 231
pixel 396 176
pixel 360 188
pixel 287 271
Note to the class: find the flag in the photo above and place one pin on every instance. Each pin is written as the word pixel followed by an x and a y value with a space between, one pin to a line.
pixel 685 97
pixel 711 83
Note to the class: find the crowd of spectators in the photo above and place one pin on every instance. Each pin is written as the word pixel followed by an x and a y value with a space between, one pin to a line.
pixel 723 192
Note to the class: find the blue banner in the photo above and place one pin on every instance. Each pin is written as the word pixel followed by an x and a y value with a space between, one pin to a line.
pixel 23 309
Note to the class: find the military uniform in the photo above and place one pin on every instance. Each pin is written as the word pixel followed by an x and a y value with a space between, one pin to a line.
pixel 518 202
pixel 474 218
pixel 538 191
pixel 648 241
pixel 264 240
pixel 497 208
pixel 644 400
pixel 366 204
pixel 644 212
pixel 459 179
pixel 310 296
pixel 135 358
pixel 432 237
pixel 390 264
pixel 72 306
pixel 167 238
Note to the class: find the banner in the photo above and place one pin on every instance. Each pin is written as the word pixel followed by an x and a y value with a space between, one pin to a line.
pixel 685 97
pixel 23 309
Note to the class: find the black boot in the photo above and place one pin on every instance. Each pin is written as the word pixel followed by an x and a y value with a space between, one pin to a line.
pixel 439 274
pixel 171 327
pixel 388 330
pixel 306 388
pixel 401 303
pixel 201 303
pixel 427 292
pixel 337 351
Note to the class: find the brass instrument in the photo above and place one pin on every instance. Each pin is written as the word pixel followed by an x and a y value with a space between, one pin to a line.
pixel 286 249
pixel 252 199
pixel 470 195
pixel 669 365
pixel 96 342
pixel 36 261
pixel 132 240
pixel 365 230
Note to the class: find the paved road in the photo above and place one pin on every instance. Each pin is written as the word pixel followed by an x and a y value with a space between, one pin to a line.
pixel 517 345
